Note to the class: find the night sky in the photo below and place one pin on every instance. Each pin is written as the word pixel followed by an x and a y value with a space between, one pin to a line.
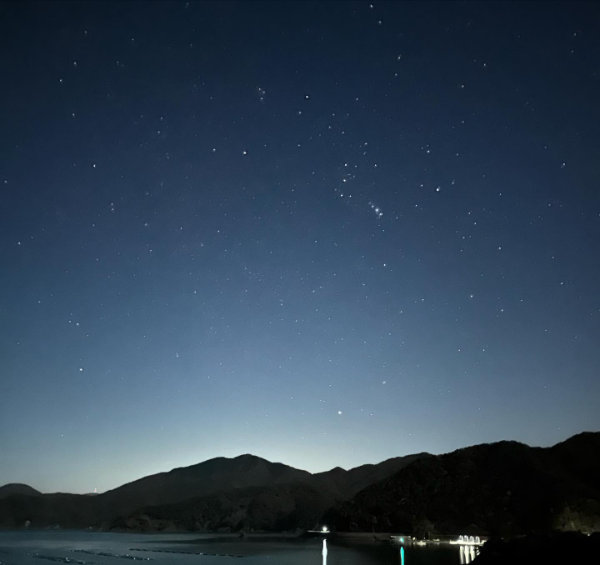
pixel 322 233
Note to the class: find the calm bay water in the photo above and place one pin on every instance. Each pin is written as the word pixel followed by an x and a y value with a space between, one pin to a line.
pixel 96 548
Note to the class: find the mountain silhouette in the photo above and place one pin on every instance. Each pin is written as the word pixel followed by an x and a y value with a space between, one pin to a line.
pixel 504 488
pixel 219 475
pixel 501 488
pixel 18 488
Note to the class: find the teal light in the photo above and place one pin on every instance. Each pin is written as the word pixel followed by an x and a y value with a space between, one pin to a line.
pixel 401 556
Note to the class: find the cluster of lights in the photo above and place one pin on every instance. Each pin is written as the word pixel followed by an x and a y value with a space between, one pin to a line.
pixel 376 209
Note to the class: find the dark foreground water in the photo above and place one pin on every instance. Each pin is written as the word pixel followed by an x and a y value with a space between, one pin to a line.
pixel 95 548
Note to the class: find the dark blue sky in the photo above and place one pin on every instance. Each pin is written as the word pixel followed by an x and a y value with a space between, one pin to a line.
pixel 323 233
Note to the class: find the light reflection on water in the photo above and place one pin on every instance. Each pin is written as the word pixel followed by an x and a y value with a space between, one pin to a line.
pixel 96 548
pixel 467 554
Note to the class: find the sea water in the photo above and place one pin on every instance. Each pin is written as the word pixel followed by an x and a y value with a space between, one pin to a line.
pixel 48 547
